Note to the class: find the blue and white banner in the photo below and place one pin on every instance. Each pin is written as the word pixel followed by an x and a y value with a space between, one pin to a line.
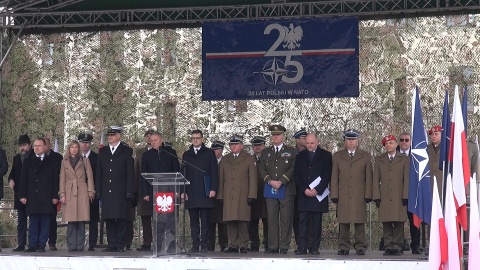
pixel 278 59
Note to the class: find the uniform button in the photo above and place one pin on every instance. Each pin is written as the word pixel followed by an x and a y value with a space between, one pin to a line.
pixel 110 181
pixel 110 191
pixel 110 169
pixel 276 167
pixel 111 159
pixel 36 190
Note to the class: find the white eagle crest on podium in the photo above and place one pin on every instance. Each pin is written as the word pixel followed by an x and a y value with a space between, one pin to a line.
pixel 164 202
pixel 292 37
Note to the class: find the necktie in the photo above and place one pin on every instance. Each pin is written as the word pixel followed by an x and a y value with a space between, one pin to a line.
pixel 113 149
pixel 391 158
pixel 276 151
pixel 234 157
pixel 310 155
pixel 196 150
pixel 258 159
pixel 351 155
pixel 405 153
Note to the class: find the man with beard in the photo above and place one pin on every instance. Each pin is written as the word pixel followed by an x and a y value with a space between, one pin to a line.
pixel 25 148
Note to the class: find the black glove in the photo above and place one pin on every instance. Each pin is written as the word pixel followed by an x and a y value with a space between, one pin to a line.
pixel 377 202
pixel 404 202
pixel 130 196
pixel 220 201
pixel 250 201
pixel 99 196
pixel 367 200
pixel 335 200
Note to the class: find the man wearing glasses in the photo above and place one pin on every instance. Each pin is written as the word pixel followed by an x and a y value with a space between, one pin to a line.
pixel 201 170
pixel 404 149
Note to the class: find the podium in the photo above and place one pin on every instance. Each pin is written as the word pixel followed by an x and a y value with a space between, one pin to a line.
pixel 167 188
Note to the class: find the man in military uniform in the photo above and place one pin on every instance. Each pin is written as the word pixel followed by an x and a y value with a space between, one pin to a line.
pixel 433 150
pixel 300 145
pixel 351 190
pixel 237 190
pixel 85 140
pixel 114 186
pixel 277 165
pixel 216 214
pixel 259 206
pixel 390 193
pixel 144 210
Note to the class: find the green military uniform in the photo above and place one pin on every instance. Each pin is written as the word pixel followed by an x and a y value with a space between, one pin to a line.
pixel 279 166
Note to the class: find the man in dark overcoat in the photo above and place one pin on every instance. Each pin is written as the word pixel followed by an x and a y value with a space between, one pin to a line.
pixel 311 163
pixel 277 164
pixel 57 157
pixel 39 183
pixel 433 151
pixel 390 193
pixel 143 210
pixel 114 187
pixel 259 206
pixel 85 140
pixel 216 213
pixel 160 159
pixel 201 170
pixel 25 147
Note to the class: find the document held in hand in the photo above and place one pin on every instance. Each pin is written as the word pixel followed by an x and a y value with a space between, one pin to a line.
pixel 270 192
pixel 208 185
pixel 315 183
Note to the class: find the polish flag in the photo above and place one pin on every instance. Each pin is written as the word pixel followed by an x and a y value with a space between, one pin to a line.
pixel 438 249
pixel 474 237
pixel 458 156
pixel 451 226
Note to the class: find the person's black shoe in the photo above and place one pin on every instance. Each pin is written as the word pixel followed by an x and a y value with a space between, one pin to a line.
pixel 30 249
pixel 343 252
pixel 387 252
pixel 41 249
pixel 243 250
pixel 144 248
pixel 416 251
pixel 271 251
pixel 128 247
pixel 194 250
pixel 52 247
pixel 71 250
pixel 18 248
pixel 231 250
pixel 361 252
pixel 109 249
pixel 406 246
pixel 121 250
pixel 396 252
pixel 204 250
pixel 91 248
pixel 314 252
pixel 300 252
pixel 283 251
pixel 255 249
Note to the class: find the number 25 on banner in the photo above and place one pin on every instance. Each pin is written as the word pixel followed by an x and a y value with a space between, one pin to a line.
pixel 290 37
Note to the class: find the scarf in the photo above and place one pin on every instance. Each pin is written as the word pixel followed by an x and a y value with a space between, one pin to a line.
pixel 74 161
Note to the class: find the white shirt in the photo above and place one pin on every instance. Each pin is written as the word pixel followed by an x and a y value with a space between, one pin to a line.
pixel 351 153
pixel 406 152
pixel 41 157
pixel 88 153
pixel 115 147
pixel 279 147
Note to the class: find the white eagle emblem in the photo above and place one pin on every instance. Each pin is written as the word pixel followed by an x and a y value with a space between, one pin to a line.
pixel 164 203
pixel 292 37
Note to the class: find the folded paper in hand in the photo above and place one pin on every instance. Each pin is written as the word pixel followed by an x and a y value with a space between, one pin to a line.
pixel 315 183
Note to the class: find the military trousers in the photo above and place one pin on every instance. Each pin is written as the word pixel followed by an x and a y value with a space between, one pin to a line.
pixel 280 231
pixel 359 236
pixel 237 234
pixel 393 235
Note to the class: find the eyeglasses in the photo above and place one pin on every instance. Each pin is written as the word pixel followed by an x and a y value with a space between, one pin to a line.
pixel 404 140
pixel 197 138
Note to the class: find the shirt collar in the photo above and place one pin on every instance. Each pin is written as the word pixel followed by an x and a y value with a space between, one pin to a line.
pixel 87 154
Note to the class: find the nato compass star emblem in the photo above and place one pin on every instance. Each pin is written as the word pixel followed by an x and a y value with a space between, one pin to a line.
pixel 273 71
pixel 420 158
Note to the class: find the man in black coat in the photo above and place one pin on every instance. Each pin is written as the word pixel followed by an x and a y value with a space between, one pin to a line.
pixel 52 235
pixel 160 159
pixel 85 140
pixel 114 187
pixel 25 147
pixel 39 191
pixel 201 171
pixel 311 163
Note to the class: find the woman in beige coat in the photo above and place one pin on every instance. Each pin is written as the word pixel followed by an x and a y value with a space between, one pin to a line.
pixel 76 190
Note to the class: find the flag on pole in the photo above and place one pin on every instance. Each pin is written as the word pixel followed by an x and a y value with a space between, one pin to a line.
pixel 474 233
pixel 458 156
pixel 102 139
pixel 419 190
pixel 55 147
pixel 438 247
pixel 445 142
pixel 451 226
pixel 464 109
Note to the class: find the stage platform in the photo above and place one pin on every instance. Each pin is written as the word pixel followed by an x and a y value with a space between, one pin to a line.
pixel 135 260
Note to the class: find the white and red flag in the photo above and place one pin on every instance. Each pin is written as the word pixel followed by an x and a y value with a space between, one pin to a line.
pixel 474 236
pixel 438 248
pixel 451 226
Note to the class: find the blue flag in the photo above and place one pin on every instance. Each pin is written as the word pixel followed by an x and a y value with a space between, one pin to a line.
pixel 445 141
pixel 464 109
pixel 420 190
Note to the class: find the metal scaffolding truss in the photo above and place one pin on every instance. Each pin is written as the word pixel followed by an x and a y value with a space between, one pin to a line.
pixel 365 9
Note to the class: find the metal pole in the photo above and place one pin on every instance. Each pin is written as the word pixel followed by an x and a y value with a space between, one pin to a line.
pixel 14 40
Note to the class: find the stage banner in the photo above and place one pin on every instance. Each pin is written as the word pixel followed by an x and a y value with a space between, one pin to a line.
pixel 280 59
